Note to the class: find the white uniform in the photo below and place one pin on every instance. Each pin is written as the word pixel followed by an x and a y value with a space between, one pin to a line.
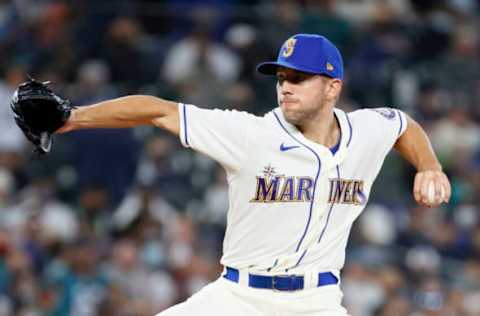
pixel 292 203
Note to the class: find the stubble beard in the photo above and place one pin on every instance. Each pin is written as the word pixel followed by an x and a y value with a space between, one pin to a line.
pixel 298 117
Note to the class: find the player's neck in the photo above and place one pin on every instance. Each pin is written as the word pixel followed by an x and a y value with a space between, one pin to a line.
pixel 322 129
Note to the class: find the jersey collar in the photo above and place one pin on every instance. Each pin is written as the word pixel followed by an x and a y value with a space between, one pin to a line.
pixel 328 159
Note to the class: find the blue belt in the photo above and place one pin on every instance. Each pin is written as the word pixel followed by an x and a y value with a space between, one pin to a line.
pixel 279 282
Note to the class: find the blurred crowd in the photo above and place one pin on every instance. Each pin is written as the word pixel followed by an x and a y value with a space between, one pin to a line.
pixel 127 223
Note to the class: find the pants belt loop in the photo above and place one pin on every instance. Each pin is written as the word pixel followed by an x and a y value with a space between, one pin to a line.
pixel 310 280
pixel 243 277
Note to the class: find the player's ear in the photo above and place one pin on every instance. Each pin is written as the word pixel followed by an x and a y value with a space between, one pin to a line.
pixel 333 88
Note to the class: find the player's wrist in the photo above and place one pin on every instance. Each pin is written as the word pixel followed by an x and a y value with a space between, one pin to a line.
pixel 430 167
pixel 431 164
pixel 69 124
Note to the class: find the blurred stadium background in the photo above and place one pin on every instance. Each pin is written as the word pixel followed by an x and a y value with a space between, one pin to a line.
pixel 127 223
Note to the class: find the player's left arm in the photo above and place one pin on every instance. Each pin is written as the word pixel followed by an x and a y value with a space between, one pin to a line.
pixel 414 145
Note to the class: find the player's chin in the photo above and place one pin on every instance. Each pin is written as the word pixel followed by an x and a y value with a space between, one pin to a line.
pixel 291 114
pixel 290 105
pixel 292 118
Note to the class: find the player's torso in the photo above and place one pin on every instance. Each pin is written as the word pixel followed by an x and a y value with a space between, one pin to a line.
pixel 294 202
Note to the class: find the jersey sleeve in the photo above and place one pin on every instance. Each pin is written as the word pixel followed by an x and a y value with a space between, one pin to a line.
pixel 381 127
pixel 220 134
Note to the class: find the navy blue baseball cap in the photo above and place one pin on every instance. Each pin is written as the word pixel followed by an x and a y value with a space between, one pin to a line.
pixel 309 53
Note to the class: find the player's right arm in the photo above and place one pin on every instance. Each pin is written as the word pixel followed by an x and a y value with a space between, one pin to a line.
pixel 220 134
pixel 124 112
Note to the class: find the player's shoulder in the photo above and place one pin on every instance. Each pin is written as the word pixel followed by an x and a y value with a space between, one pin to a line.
pixel 223 118
pixel 218 111
pixel 377 120
pixel 376 114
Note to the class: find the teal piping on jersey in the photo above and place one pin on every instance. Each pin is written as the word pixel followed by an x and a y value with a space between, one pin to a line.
pixel 274 265
pixel 351 132
pixel 324 228
pixel 299 260
pixel 335 148
pixel 331 207
pixel 401 122
pixel 185 124
pixel 314 184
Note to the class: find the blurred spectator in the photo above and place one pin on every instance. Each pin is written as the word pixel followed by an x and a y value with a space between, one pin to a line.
pixel 129 53
pixel 165 171
pixel 363 12
pixel 431 103
pixel 357 279
pixel 197 62
pixel 378 225
pixel 446 133
pixel 7 185
pixel 151 291
pixel 320 17
pixel 245 40
pixel 216 200
pixel 398 306
pixel 84 286
pixel 103 157
pixel 11 138
pixel 94 211
pixel 7 19
pixel 430 297
pixel 93 83
pixel 279 20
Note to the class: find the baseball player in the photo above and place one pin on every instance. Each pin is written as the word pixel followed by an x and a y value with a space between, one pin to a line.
pixel 298 178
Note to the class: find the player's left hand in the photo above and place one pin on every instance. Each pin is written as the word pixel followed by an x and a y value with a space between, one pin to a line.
pixel 39 112
pixel 431 188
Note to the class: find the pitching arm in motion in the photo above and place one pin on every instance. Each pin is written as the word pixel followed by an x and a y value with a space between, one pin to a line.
pixel 125 112
pixel 415 147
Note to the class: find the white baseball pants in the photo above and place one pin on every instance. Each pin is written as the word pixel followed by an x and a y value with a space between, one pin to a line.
pixel 223 297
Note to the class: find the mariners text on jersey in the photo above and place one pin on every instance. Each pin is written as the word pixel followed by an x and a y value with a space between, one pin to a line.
pixel 299 189
pixel 346 191
pixel 283 189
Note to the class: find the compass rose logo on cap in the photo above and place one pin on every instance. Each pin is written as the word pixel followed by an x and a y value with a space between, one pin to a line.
pixel 289 47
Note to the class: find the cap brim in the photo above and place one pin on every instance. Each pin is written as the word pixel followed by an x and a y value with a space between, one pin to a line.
pixel 270 68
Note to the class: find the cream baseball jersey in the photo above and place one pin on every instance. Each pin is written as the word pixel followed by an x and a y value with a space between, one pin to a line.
pixel 292 201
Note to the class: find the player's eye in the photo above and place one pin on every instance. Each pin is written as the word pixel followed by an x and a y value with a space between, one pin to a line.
pixel 294 77
pixel 299 77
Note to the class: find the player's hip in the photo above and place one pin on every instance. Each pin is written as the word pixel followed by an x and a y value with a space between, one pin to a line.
pixel 322 300
pixel 225 297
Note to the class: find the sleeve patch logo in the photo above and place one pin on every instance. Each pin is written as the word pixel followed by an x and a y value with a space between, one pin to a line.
pixel 387 113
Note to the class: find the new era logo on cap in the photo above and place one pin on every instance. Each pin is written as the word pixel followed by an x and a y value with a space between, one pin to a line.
pixel 309 53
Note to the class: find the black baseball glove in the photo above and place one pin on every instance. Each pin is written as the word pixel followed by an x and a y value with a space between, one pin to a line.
pixel 39 112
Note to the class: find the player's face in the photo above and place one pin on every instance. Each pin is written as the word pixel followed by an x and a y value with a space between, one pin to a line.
pixel 301 95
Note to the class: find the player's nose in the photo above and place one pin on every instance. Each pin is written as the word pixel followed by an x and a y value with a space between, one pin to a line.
pixel 286 87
